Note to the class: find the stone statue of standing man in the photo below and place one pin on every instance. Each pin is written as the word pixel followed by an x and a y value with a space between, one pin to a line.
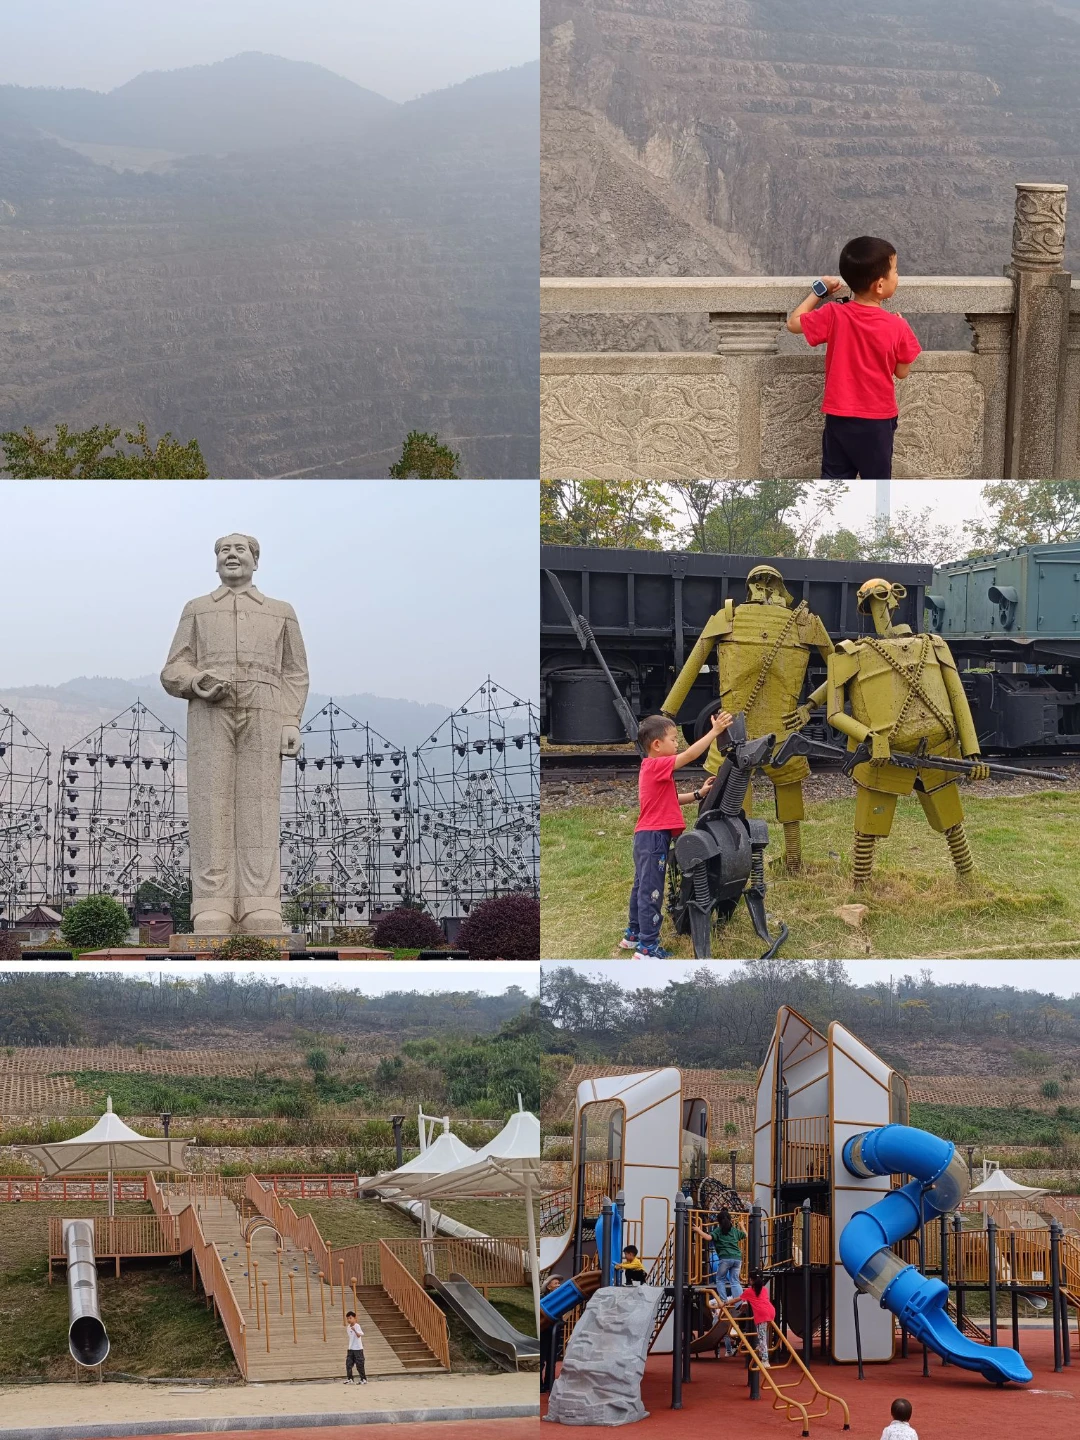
pixel 238 660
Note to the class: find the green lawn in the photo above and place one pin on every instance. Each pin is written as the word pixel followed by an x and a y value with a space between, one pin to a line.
pixel 1023 901
pixel 158 1326
pixel 986 1124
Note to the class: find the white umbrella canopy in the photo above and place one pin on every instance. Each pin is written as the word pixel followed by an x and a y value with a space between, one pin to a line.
pixel 510 1169
pixel 999 1186
pixel 109 1145
pixel 446 1152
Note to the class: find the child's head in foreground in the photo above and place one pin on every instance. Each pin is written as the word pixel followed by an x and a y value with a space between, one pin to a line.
pixel 630 1252
pixel 868 267
pixel 757 1282
pixel 350 1314
pixel 901 1410
pixel 657 735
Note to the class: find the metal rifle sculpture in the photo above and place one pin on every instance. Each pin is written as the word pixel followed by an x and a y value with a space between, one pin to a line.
pixel 921 759
pixel 587 640
pixel 721 860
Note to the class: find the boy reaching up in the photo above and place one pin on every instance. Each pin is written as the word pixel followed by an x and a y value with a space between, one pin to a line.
pixel 659 821
pixel 866 347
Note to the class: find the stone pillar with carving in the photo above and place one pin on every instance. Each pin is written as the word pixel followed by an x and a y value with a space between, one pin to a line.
pixel 1035 414
pixel 992 344
pixel 747 342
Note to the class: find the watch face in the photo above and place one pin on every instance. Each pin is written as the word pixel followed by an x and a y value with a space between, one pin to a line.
pixel 820 289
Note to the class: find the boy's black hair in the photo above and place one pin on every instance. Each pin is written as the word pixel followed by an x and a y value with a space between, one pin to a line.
pixel 629 1250
pixel 350 1312
pixel 864 260
pixel 652 728
pixel 901 1410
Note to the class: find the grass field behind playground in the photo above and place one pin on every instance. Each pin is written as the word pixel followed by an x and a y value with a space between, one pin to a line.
pixel 1023 900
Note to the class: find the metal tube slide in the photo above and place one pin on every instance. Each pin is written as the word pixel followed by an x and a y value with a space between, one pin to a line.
pixel 87 1340
pixel 919 1301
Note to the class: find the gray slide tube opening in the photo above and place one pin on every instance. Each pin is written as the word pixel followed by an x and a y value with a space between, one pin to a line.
pixel 88 1340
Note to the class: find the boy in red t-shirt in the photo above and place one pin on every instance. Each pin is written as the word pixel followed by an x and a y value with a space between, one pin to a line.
pixel 659 821
pixel 866 346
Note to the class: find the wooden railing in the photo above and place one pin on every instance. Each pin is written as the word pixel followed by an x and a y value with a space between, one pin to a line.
pixel 207 1263
pixel 134 1187
pixel 122 1235
pixel 806 1149
pixel 415 1304
pixel 215 1283
pixel 484 1262
pixel 340 1266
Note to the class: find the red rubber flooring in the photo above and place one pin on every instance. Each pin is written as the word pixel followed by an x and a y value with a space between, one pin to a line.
pixel 524 1429
pixel 950 1405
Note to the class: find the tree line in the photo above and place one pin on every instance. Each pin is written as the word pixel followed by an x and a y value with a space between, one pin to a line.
pixel 723 1020
pixel 62 1009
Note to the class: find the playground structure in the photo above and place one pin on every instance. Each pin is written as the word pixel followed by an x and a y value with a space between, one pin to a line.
pixel 280 1290
pixel 830 1224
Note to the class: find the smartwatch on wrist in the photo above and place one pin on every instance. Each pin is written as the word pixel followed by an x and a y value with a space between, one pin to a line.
pixel 820 289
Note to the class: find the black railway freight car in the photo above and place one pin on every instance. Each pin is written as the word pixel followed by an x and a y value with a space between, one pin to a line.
pixel 647 607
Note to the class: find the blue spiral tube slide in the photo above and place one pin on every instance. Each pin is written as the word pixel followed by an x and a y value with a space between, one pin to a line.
pixel 918 1301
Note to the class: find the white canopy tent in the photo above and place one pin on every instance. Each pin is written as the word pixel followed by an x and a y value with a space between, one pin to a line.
pixel 507 1167
pixel 109 1145
pixel 999 1186
pixel 446 1152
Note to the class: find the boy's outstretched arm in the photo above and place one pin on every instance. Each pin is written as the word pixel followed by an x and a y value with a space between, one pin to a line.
pixel 812 301
pixel 721 721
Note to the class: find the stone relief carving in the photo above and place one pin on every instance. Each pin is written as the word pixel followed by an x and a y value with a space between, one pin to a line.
pixel 1039 227
pixel 791 426
pixel 940 436
pixel 620 427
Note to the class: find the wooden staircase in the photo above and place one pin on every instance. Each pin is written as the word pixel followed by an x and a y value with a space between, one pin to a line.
pixel 297 1331
pixel 406 1344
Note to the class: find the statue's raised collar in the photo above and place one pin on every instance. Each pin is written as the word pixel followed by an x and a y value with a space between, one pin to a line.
pixel 249 590
pixel 897 631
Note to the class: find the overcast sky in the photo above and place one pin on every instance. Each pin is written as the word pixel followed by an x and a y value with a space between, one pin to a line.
pixel 434 977
pixel 400 48
pixel 1052 977
pixel 410 589
pixel 953 501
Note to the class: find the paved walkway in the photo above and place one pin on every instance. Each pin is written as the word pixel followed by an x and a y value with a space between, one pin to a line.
pixel 53 1410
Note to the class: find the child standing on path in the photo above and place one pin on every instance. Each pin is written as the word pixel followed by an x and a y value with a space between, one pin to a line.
pixel 659 821
pixel 899 1429
pixel 865 347
pixel 354 1356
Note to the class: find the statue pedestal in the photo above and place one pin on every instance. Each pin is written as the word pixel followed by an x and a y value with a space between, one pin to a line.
pixel 206 945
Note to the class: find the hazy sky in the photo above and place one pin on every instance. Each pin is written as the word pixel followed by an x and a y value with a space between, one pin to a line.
pixel 400 48
pixel 408 589
pixel 1054 977
pixel 489 977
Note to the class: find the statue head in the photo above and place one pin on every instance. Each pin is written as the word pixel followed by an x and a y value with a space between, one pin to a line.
pixel 765 586
pixel 879 599
pixel 237 558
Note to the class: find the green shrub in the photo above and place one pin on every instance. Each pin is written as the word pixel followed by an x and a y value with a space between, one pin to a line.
pixel 1050 1089
pixel 97 922
pixel 317 1061
pixel 247 947
pixel 290 1107
pixel 10 949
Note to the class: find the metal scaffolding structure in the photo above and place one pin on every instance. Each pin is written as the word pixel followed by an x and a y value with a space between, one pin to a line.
pixel 477 804
pixel 25 811
pixel 346 824
pixel 121 810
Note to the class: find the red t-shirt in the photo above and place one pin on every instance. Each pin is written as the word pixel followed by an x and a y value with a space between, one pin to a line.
pixel 761 1307
pixel 864 344
pixel 658 800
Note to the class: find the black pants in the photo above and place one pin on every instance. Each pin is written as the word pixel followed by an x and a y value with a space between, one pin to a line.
pixel 647 897
pixel 355 1357
pixel 852 448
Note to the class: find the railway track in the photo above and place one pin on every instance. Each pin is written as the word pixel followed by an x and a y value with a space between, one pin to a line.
pixel 582 766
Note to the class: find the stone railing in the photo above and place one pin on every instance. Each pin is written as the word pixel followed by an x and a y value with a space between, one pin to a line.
pixel 1008 406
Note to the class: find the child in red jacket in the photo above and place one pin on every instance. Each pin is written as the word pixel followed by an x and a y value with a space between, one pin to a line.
pixel 756 1298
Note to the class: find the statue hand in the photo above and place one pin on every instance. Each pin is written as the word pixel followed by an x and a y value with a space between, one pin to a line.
pixel 978 772
pixel 879 752
pixel 209 687
pixel 290 740
pixel 797 718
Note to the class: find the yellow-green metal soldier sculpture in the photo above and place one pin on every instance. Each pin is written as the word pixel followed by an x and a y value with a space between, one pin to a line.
pixel 904 692
pixel 762 651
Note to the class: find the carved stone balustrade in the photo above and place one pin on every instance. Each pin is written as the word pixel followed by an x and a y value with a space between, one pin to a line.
pixel 1008 406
